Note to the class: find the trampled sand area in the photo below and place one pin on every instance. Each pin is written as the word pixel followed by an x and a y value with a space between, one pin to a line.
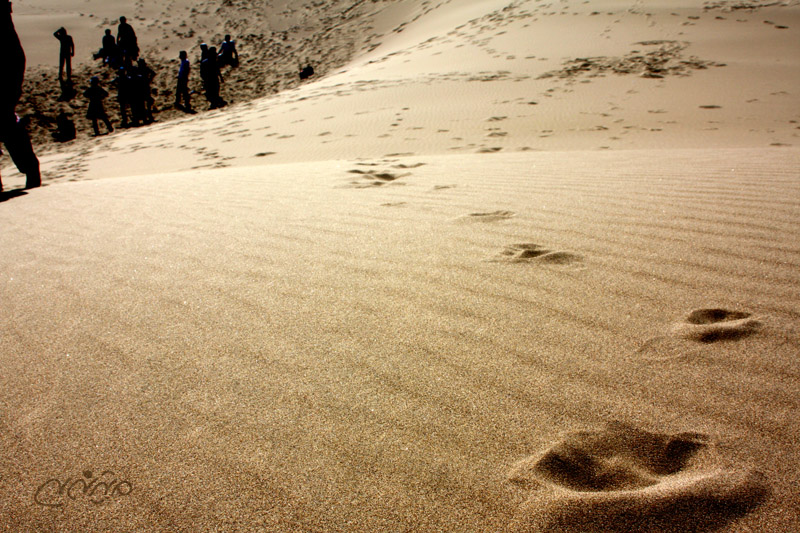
pixel 499 266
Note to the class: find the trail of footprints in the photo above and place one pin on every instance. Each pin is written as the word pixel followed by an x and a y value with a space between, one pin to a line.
pixel 622 478
pixel 374 174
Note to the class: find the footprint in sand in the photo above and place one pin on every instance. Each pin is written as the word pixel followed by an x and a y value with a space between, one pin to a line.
pixel 370 179
pixel 410 165
pixel 534 253
pixel 701 327
pixel 713 325
pixel 492 216
pixel 624 479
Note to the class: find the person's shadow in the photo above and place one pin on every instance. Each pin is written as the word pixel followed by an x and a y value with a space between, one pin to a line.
pixel 8 195
pixel 68 91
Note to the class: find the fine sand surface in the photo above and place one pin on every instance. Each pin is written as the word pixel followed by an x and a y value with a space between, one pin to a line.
pixel 514 266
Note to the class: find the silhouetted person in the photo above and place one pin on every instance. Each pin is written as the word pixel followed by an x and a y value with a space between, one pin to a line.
pixel 126 41
pixel 209 71
pixel 110 51
pixel 124 84
pixel 65 128
pixel 143 78
pixel 203 51
pixel 97 109
pixel 227 53
pixel 182 91
pixel 65 54
pixel 12 133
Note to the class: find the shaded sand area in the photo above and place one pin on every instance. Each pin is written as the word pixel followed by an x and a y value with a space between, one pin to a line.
pixel 390 300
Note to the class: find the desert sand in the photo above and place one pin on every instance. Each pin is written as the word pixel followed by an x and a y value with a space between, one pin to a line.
pixel 498 266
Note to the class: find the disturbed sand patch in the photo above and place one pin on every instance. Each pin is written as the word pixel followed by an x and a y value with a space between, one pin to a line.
pixel 665 60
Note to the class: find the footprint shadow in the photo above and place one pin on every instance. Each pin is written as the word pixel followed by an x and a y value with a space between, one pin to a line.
pixel 713 325
pixel 493 216
pixel 623 479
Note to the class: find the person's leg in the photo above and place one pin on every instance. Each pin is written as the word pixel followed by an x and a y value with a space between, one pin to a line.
pixel 18 144
pixel 123 114
pixel 95 126
pixel 21 152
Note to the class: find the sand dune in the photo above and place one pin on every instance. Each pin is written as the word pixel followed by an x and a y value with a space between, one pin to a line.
pixel 478 277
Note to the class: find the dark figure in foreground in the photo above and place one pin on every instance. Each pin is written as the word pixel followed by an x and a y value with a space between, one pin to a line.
pixel 66 53
pixel 227 53
pixel 182 91
pixel 126 41
pixel 12 133
pixel 97 110
pixel 209 71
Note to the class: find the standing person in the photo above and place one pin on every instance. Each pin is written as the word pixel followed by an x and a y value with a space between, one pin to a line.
pixel 124 97
pixel 227 53
pixel 126 40
pixel 144 78
pixel 182 92
pixel 12 133
pixel 209 71
pixel 97 111
pixel 66 54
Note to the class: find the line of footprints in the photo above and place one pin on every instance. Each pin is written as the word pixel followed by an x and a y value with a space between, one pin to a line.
pixel 514 253
pixel 622 478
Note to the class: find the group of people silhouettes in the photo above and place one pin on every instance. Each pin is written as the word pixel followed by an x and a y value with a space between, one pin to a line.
pixel 121 50
pixel 210 74
pixel 134 77
pixel 132 83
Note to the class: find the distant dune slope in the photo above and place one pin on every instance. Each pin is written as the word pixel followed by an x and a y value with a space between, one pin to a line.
pixel 453 77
